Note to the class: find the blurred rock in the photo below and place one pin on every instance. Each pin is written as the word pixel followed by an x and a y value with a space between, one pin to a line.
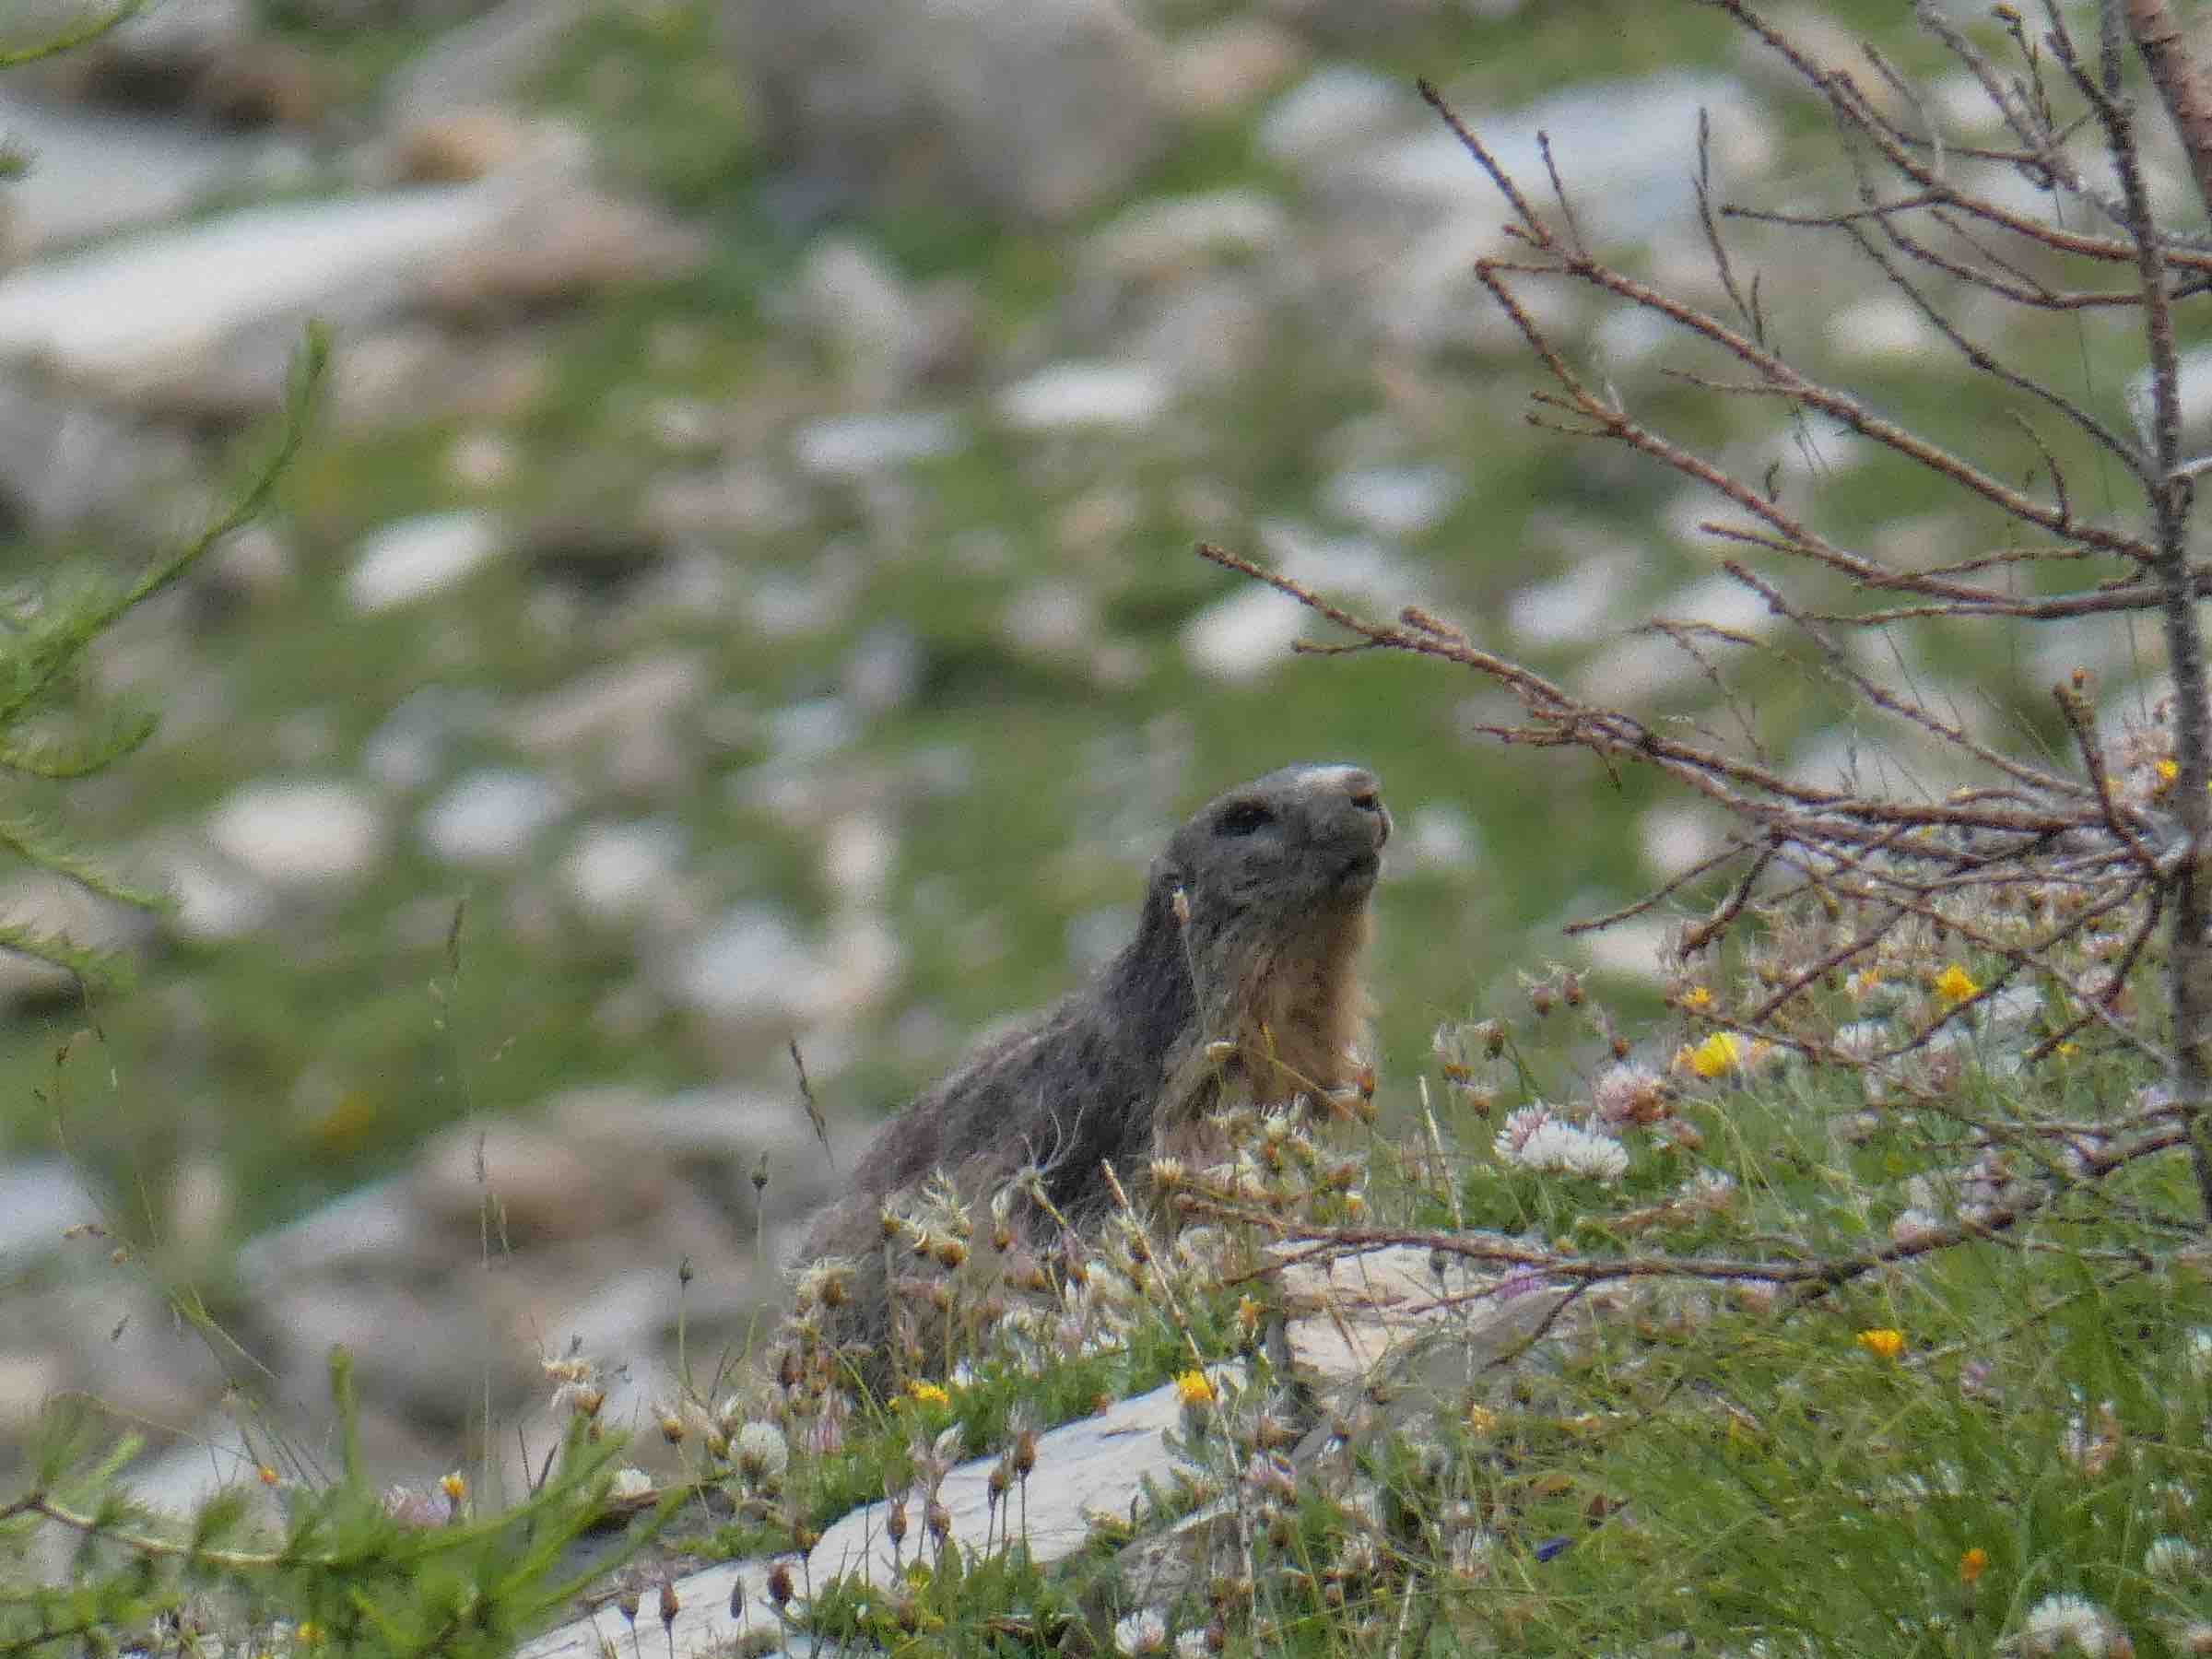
pixel 1336 107
pixel 546 1185
pixel 64 463
pixel 1626 151
pixel 94 172
pixel 883 671
pixel 1171 239
pixel 621 719
pixel 1055 621
pixel 41 1198
pixel 372 1229
pixel 742 499
pixel 412 372
pixel 1677 838
pixel 1249 631
pixel 848 297
pixel 617 872
pixel 1441 836
pixel 486 61
pixel 1577 605
pixel 454 149
pixel 300 833
pixel 206 316
pixel 852 446
pixel 491 816
pixel 1072 395
pixel 1885 328
pixel 53 906
pixel 752 968
pixel 215 900
pixel 1218 70
pixel 996 107
pixel 421 557
pixel 1393 501
pixel 560 242
pixel 1244 636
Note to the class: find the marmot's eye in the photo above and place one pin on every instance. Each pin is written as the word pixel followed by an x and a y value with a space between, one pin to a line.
pixel 1244 819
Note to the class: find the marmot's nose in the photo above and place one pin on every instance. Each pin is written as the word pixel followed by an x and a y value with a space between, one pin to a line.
pixel 1363 790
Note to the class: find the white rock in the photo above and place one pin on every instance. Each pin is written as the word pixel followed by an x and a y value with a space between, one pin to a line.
pixel 40 1199
pixel 1633 949
pixel 96 172
pixel 1677 838
pixel 419 556
pixel 853 447
pixel 1097 1465
pixel 1626 151
pixel 1049 620
pixel 1723 602
pixel 1075 395
pixel 215 900
pixel 847 294
pixel 615 870
pixel 1168 237
pixel 1242 636
pixel 1332 108
pixel 1573 606
pixel 300 833
pixel 808 731
pixel 629 703
pixel 1882 327
pixel 752 965
pixel 1393 501
pixel 140 312
pixel 491 816
pixel 1440 836
pixel 857 857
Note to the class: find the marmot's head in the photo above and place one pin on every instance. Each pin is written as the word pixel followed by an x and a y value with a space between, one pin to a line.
pixel 1297 845
pixel 1264 894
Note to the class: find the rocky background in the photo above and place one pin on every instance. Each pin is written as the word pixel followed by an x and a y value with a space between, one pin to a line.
pixel 744 555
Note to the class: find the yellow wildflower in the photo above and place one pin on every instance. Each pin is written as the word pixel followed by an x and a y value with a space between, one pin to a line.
pixel 1712 1056
pixel 1955 984
pixel 1192 1389
pixel 307 1634
pixel 269 1477
pixel 2067 1049
pixel 1972 1563
pixel 1698 996
pixel 454 1486
pixel 1882 1343
pixel 1481 1419
pixel 2167 768
pixel 1864 981
pixel 928 1393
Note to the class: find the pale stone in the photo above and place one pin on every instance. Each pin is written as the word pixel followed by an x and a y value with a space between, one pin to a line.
pixel 149 308
pixel 1242 636
pixel 492 816
pixel 300 833
pixel 853 447
pixel 615 871
pixel 1393 501
pixel 421 557
pixel 1077 394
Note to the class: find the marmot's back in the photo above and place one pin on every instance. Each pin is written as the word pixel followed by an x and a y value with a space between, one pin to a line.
pixel 1255 918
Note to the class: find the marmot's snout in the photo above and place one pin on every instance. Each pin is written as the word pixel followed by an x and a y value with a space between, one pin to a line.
pixel 1347 813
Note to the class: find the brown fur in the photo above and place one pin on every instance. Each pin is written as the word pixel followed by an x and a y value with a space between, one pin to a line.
pixel 1254 919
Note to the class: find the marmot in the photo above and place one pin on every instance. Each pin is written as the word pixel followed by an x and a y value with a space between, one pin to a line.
pixel 1254 919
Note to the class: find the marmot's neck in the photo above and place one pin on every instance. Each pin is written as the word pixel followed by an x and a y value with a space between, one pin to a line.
pixel 1151 1003
pixel 1293 1004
